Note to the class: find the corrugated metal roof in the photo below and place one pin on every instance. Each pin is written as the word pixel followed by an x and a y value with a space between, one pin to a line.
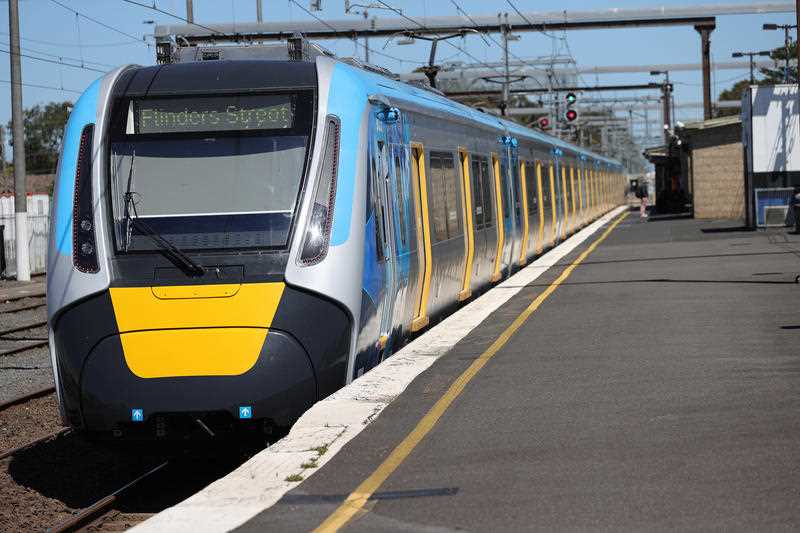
pixel 713 123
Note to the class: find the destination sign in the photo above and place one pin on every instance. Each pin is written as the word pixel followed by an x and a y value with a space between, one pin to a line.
pixel 215 113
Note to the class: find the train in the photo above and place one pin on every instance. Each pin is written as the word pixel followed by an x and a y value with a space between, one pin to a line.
pixel 234 240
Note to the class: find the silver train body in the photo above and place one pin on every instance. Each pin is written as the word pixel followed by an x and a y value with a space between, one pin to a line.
pixel 234 240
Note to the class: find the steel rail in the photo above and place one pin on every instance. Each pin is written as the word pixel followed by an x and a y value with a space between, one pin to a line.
pixel 87 513
pixel 3 333
pixel 27 396
pixel 14 451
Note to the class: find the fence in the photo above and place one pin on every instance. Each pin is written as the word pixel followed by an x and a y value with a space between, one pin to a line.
pixel 38 229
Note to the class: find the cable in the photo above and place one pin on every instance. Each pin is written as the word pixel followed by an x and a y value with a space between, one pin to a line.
pixel 59 56
pixel 523 61
pixel 73 45
pixel 54 61
pixel 103 24
pixel 170 14
pixel 44 87
pixel 322 21
pixel 400 12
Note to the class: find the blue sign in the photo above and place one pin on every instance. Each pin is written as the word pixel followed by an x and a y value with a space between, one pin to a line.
pixel 245 411
pixel 137 415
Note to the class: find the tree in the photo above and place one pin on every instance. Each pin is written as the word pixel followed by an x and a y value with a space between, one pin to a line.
pixel 44 131
pixel 733 94
pixel 775 75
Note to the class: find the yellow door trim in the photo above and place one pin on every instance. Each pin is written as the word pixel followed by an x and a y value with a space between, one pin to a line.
pixel 498 193
pixel 581 205
pixel 469 231
pixel 565 202
pixel 553 228
pixel 523 254
pixel 540 239
pixel 420 189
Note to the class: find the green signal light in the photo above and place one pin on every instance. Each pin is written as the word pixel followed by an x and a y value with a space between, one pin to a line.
pixel 571 98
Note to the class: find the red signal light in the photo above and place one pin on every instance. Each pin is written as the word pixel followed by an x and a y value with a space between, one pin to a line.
pixel 544 123
pixel 571 115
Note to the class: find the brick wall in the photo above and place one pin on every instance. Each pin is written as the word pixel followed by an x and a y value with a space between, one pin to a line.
pixel 718 174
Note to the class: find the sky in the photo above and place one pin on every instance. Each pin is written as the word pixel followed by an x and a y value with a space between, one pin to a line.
pixel 54 32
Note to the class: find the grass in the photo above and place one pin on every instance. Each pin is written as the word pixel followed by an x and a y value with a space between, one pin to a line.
pixel 294 478
pixel 321 450
pixel 310 464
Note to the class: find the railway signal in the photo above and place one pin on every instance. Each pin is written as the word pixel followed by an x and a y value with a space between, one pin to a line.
pixel 571 114
pixel 544 123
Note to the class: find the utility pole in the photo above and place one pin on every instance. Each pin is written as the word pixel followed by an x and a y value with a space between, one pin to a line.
pixel 259 14
pixel 18 135
pixel 189 12
pixel 787 42
pixel 705 48
pixel 751 55
pixel 2 152
pixel 504 104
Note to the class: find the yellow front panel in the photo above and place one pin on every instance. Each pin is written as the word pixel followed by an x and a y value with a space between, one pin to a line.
pixel 192 352
pixel 202 330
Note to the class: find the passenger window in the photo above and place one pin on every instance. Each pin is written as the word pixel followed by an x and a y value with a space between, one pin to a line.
pixel 477 191
pixel 503 187
pixel 487 182
pixel 444 196
pixel 530 185
pixel 451 195
pixel 377 204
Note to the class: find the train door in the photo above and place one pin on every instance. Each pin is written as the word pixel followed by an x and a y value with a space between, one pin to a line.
pixel 511 201
pixel 419 189
pixel 469 223
pixel 559 201
pixel 402 235
pixel 522 202
pixel 387 129
pixel 482 217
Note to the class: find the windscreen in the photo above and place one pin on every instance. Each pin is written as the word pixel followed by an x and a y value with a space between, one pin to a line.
pixel 213 172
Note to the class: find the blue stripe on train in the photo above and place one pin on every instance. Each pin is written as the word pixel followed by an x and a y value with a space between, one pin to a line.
pixel 347 100
pixel 84 112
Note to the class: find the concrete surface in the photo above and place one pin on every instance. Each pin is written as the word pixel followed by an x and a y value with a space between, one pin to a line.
pixel 657 388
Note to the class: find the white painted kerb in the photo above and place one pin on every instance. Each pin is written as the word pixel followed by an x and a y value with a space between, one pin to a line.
pixel 260 482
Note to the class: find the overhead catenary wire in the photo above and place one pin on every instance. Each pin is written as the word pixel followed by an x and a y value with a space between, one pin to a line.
pixel 157 9
pixel 376 52
pixel 55 62
pixel 400 12
pixel 495 41
pixel 38 86
pixel 101 23
pixel 73 45
pixel 60 56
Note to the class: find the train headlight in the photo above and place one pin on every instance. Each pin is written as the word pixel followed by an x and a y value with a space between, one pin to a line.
pixel 84 251
pixel 318 231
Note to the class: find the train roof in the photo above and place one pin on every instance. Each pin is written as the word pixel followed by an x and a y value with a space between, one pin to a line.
pixel 436 100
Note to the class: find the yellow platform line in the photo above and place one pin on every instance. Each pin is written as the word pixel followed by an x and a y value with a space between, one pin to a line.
pixel 355 502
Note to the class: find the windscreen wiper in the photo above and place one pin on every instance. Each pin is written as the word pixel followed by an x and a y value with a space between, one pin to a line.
pixel 189 265
pixel 178 256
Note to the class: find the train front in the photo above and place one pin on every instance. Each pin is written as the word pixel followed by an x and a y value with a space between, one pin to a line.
pixel 183 198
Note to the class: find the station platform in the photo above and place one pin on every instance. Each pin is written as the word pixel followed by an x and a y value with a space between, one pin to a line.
pixel 657 386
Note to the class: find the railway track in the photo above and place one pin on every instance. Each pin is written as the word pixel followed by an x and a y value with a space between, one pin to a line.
pixel 31 342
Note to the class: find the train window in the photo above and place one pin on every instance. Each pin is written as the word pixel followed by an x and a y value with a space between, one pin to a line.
pixel 547 205
pixel 379 210
pixel 487 182
pixel 503 187
pixel 438 207
pixel 530 185
pixel 450 177
pixel 477 191
pixel 401 197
